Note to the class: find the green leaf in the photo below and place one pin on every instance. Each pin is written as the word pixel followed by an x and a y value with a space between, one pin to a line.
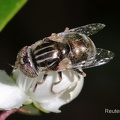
pixel 8 8
pixel 29 110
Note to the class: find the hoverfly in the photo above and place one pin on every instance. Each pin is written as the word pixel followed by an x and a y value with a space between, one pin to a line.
pixel 71 49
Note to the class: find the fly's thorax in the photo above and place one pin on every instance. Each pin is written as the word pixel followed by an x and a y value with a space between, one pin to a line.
pixel 81 48
pixel 64 50
pixel 91 48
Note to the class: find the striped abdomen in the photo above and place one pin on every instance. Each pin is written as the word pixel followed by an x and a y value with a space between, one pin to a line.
pixel 46 56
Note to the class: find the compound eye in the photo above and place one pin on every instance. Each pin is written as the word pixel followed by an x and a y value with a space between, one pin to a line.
pixel 24 60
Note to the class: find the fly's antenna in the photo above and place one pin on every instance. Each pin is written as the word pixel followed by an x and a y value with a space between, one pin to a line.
pixel 13 66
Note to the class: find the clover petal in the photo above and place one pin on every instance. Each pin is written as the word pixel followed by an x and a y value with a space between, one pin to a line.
pixel 48 97
pixel 51 99
pixel 10 96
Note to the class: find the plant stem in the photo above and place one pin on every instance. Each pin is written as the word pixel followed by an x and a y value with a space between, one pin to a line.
pixel 7 113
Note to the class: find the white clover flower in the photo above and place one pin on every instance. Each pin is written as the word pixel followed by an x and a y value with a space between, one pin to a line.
pixel 18 90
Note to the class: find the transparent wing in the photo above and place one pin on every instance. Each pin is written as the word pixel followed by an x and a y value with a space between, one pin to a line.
pixel 102 57
pixel 89 29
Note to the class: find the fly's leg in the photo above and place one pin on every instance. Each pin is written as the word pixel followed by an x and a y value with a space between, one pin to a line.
pixel 66 29
pixel 40 82
pixel 80 72
pixel 60 79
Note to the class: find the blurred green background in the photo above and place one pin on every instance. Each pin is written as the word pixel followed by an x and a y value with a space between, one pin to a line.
pixel 38 19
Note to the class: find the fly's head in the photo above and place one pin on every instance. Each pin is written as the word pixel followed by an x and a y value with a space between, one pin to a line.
pixel 24 62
